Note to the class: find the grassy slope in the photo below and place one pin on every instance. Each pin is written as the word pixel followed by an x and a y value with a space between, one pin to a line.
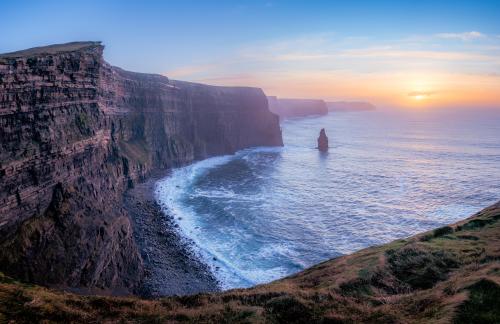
pixel 451 274
pixel 50 49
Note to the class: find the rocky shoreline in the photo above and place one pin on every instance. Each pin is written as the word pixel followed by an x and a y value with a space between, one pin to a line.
pixel 171 267
pixel 76 133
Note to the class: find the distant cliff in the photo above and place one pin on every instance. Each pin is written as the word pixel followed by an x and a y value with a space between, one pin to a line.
pixel 349 106
pixel 75 133
pixel 289 108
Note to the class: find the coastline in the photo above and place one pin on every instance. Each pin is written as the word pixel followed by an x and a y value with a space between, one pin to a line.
pixel 449 274
pixel 171 267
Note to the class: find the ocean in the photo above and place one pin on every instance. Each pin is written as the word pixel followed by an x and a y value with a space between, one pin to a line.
pixel 265 213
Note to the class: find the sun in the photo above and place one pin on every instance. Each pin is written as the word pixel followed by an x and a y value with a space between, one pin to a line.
pixel 418 98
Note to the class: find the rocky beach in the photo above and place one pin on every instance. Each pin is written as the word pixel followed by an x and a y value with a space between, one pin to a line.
pixel 170 265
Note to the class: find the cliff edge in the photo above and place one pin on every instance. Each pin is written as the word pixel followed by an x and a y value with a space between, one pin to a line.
pixel 76 133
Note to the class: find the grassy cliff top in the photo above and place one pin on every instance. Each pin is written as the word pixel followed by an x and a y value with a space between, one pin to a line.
pixel 450 274
pixel 51 49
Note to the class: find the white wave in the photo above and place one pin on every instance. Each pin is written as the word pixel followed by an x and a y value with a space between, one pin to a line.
pixel 171 190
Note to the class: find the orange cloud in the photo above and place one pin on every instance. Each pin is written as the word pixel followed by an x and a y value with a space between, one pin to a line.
pixel 409 73
pixel 187 71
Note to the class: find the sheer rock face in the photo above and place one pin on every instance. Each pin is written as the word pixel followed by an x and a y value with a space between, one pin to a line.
pixel 322 141
pixel 75 133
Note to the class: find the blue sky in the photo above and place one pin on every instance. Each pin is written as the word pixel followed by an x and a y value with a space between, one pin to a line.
pixel 268 43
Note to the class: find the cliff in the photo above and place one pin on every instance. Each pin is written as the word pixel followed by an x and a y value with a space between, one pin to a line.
pixel 450 274
pixel 75 133
pixel 290 108
pixel 345 106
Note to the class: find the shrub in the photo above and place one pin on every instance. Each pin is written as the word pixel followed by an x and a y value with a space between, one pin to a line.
pixel 356 287
pixel 483 304
pixel 288 309
pixel 442 231
pixel 420 267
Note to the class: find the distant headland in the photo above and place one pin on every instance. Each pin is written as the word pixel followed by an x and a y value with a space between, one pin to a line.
pixel 346 106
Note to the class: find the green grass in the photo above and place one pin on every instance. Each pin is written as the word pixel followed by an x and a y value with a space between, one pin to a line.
pixel 483 305
pixel 51 49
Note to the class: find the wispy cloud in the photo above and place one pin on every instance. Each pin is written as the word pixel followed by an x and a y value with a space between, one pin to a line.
pixel 299 57
pixel 302 57
pixel 236 79
pixel 466 36
pixel 325 47
pixel 415 54
pixel 484 75
pixel 293 49
pixel 189 70
pixel 326 65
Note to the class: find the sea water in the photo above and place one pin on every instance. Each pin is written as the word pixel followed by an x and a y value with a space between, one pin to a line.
pixel 265 213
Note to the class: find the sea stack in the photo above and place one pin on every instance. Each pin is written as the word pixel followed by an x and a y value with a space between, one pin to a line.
pixel 322 141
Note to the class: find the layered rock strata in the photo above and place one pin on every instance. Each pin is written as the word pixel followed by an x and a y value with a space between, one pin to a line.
pixel 75 133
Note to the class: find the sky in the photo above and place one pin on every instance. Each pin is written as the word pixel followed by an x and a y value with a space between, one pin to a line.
pixel 415 54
